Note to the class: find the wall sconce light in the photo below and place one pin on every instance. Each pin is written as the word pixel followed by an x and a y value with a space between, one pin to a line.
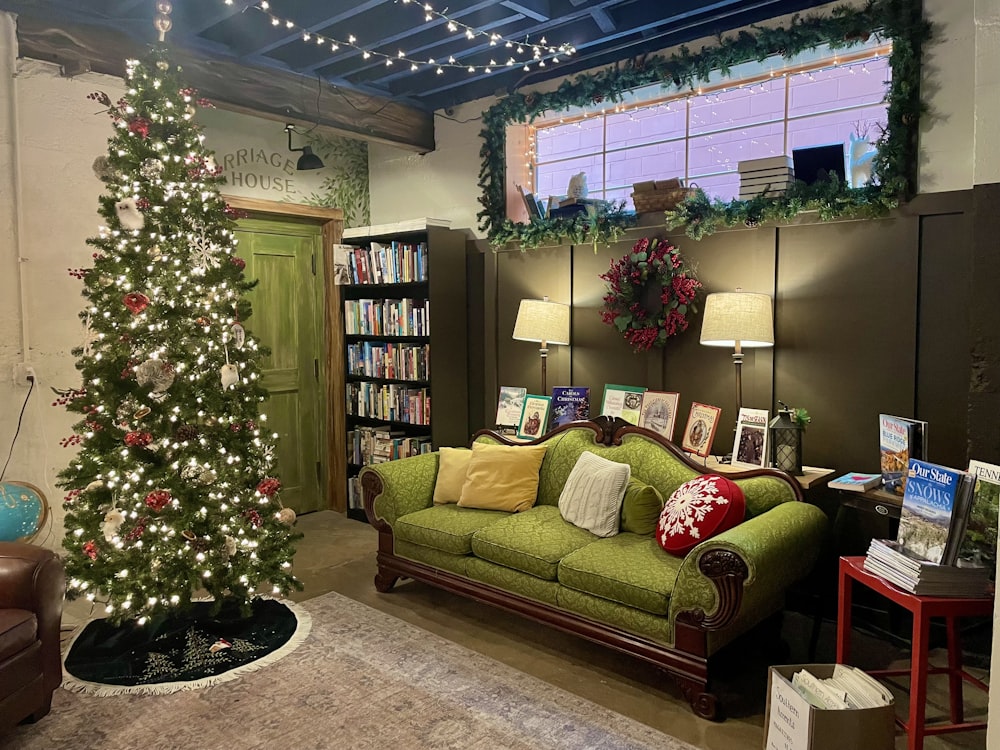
pixel 738 319
pixel 543 321
pixel 308 160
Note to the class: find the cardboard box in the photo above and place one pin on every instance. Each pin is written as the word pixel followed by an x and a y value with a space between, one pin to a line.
pixel 792 723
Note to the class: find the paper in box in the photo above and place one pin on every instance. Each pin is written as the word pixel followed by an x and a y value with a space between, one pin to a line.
pixel 792 723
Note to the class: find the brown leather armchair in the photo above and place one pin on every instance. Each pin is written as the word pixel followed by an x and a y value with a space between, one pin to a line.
pixel 32 586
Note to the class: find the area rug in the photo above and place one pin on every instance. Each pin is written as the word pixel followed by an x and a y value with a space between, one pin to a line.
pixel 362 679
pixel 186 651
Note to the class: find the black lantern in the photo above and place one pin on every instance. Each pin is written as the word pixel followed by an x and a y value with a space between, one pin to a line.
pixel 785 438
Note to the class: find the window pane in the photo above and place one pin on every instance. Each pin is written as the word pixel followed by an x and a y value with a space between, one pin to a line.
pixel 656 162
pixel 572 139
pixel 739 107
pixel 553 179
pixel 724 186
pixel 659 123
pixel 722 152
pixel 621 194
pixel 835 88
pixel 837 127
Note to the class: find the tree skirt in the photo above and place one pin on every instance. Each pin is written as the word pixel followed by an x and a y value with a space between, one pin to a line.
pixel 182 652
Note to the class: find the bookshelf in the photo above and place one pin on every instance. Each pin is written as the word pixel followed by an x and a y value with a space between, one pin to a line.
pixel 405 351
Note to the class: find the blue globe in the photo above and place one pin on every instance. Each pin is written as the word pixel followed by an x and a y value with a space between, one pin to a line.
pixel 23 509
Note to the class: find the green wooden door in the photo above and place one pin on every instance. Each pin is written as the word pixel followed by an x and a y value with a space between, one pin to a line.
pixel 283 257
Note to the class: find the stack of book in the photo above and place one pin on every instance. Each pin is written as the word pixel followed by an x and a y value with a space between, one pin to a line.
pixel 934 553
pixel 885 558
pixel 773 174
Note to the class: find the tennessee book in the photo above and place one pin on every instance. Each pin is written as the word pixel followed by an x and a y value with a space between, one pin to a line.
pixel 899 440
pixel 510 405
pixel 930 517
pixel 980 543
pixel 699 431
pixel 750 444
pixel 569 404
pixel 534 417
pixel 856 482
pixel 659 412
pixel 623 401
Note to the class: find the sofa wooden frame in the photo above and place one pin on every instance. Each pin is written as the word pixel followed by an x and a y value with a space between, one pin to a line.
pixel 686 662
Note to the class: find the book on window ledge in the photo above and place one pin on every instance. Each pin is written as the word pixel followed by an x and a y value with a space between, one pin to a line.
pixel 509 407
pixel 623 401
pixel 659 412
pixel 854 481
pixel 935 508
pixel 899 440
pixel 569 404
pixel 699 432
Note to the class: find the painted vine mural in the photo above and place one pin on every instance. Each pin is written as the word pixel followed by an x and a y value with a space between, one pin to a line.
pixel 345 185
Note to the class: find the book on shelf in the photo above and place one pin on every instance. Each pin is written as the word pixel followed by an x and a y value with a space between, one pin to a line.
pixel 389 401
pixel 750 443
pixel 342 264
pixel 531 204
pixel 899 440
pixel 887 559
pixel 510 405
pixel 394 263
pixel 931 521
pixel 624 401
pixel 855 481
pixel 534 416
pixel 979 544
pixel 699 432
pixel 387 317
pixel 569 404
pixel 659 412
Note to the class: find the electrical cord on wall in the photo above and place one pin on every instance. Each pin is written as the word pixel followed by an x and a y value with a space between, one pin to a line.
pixel 17 432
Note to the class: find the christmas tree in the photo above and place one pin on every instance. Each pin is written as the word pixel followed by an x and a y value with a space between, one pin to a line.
pixel 172 493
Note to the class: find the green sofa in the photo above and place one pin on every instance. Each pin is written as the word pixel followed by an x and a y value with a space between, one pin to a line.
pixel 622 591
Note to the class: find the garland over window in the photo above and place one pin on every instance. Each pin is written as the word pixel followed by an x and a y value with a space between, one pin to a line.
pixel 893 169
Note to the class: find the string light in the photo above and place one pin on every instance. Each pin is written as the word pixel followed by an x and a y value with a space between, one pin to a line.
pixel 540 51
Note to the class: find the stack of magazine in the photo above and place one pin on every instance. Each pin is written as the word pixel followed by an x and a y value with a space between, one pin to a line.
pixel 946 544
pixel 847 688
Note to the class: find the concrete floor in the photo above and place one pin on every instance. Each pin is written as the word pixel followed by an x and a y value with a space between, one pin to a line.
pixel 338 554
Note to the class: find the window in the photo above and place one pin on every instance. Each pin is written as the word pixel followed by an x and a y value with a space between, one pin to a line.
pixel 761 109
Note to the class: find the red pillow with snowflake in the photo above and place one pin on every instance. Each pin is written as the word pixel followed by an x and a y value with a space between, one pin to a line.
pixel 698 510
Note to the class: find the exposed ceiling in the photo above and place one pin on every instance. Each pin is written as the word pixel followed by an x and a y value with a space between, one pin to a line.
pixel 307 59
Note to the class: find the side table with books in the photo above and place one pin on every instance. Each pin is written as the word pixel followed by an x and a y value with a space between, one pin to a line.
pixel 853 570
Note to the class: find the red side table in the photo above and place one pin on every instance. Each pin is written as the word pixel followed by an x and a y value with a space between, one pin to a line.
pixel 923 609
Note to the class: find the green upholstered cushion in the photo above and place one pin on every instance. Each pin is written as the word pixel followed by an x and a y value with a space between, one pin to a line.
pixel 641 507
pixel 512 580
pixel 445 527
pixel 629 619
pixel 433 557
pixel 533 541
pixel 628 568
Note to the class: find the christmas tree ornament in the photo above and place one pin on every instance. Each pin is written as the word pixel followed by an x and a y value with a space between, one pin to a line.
pixel 208 476
pixel 136 302
pixel 239 335
pixel 238 262
pixel 229 547
pixel 186 432
pixel 220 645
pixel 188 535
pixel 138 439
pixel 229 375
pixel 269 486
pixel 155 252
pixel 155 373
pixel 139 126
pixel 113 521
pixel 90 549
pixel 142 411
pixel 129 215
pixel 103 170
pixel 286 516
pixel 190 472
pixel 151 168
pixel 95 485
pixel 157 500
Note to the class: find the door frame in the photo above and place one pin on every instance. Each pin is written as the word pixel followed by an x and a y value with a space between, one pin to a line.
pixel 332 381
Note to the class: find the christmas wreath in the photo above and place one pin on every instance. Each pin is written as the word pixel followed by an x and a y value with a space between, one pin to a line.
pixel 651 290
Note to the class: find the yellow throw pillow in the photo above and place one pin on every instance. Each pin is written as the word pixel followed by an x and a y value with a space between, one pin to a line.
pixel 502 477
pixel 453 464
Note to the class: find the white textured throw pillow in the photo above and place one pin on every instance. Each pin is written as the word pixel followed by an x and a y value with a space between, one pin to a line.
pixel 592 496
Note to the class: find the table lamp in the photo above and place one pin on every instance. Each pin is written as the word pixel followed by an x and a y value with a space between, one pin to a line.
pixel 738 319
pixel 543 321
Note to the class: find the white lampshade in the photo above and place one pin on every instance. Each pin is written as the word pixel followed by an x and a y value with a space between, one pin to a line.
pixel 737 317
pixel 542 320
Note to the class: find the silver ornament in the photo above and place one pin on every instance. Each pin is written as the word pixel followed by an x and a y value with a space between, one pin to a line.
pixel 208 476
pixel 95 485
pixel 239 335
pixel 103 169
pixel 155 373
pixel 151 168
pixel 286 516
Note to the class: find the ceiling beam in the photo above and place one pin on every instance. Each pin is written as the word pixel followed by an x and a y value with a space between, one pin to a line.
pixel 603 20
pixel 538 10
pixel 266 92
pixel 315 27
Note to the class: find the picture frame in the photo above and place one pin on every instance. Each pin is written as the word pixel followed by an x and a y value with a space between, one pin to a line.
pixel 534 417
pixel 659 412
pixel 699 432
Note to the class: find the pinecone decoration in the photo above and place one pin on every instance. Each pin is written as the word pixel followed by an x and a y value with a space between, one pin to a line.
pixel 186 432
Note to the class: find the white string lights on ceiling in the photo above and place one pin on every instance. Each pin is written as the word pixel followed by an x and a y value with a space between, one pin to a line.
pixel 541 52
